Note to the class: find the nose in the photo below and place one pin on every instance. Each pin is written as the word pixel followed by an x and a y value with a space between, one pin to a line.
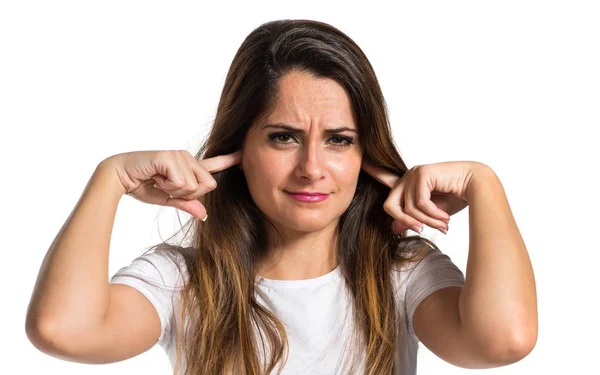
pixel 310 164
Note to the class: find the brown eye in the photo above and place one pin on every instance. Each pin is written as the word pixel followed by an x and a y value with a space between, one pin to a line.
pixel 276 137
pixel 345 141
pixel 337 141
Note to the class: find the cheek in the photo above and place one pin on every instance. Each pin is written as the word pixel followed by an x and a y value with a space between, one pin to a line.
pixel 341 167
pixel 346 170
pixel 265 169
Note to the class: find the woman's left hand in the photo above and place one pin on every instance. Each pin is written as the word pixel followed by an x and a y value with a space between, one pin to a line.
pixel 426 194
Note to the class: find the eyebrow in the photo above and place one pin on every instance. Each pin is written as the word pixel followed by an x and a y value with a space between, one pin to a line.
pixel 302 131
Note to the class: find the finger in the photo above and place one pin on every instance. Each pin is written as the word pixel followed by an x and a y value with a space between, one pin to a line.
pixel 411 209
pixel 160 181
pixel 193 207
pixel 424 202
pixel 416 195
pixel 390 179
pixel 198 179
pixel 393 208
pixel 177 161
pixel 221 162
pixel 168 166
pixel 205 182
pixel 398 227
pixel 190 185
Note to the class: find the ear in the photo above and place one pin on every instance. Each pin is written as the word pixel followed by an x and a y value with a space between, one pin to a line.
pixel 239 165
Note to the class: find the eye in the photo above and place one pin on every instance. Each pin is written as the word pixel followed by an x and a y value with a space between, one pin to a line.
pixel 345 141
pixel 336 141
pixel 274 136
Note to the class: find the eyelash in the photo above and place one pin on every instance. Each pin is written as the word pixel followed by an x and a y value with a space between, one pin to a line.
pixel 274 136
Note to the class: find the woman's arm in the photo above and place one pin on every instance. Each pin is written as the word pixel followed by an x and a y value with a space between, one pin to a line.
pixel 498 304
pixel 72 289
pixel 492 320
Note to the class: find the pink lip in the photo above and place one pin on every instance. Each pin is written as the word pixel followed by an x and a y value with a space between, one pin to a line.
pixel 309 197
pixel 306 193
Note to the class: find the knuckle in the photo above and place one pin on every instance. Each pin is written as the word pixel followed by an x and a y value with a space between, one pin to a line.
pixel 167 156
pixel 177 155
pixel 387 206
pixel 211 184
pixel 161 155
pixel 192 158
pixel 186 154
pixel 171 153
pixel 190 188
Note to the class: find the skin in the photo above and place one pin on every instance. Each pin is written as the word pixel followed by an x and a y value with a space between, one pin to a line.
pixel 313 162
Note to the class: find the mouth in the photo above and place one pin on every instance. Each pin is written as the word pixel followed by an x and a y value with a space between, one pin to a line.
pixel 308 193
pixel 305 196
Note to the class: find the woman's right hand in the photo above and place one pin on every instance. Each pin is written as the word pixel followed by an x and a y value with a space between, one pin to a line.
pixel 170 178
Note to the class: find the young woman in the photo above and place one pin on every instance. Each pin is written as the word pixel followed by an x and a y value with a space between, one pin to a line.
pixel 304 265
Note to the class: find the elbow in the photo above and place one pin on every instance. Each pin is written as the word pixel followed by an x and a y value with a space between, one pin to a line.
pixel 39 335
pixel 512 349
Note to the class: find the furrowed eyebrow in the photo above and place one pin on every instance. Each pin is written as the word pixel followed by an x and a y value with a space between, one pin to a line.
pixel 301 131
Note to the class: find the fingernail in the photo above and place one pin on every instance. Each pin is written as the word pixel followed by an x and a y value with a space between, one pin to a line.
pixel 206 217
pixel 418 229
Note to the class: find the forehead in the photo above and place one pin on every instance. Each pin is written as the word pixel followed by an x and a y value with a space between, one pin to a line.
pixel 304 99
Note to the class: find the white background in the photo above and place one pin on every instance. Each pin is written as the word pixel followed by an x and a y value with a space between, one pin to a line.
pixel 513 84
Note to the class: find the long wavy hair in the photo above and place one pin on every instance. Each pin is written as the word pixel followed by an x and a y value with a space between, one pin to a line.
pixel 217 301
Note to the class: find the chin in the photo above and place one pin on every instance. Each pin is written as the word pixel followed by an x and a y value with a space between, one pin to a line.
pixel 306 223
pixel 307 228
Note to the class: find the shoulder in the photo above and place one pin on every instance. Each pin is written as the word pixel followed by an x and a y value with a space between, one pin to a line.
pixel 415 280
pixel 417 261
pixel 167 254
pixel 163 266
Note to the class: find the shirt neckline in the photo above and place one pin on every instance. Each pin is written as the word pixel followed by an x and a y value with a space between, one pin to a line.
pixel 333 275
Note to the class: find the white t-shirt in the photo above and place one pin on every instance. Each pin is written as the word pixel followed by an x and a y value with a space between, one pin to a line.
pixel 315 312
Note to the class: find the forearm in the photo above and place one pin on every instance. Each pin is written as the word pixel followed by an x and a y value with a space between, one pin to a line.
pixel 498 304
pixel 72 290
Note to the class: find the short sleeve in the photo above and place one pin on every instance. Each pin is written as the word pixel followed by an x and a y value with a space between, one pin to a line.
pixel 433 272
pixel 160 282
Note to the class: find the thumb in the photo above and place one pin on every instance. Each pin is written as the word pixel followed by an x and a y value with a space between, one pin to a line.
pixel 398 227
pixel 192 207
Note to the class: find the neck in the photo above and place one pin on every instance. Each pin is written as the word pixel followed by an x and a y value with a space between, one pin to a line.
pixel 301 255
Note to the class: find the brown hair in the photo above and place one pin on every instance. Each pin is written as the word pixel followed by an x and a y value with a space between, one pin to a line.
pixel 217 301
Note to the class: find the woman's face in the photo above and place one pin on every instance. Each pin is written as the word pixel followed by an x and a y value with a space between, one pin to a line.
pixel 277 161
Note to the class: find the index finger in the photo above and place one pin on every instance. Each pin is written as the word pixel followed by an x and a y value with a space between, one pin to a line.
pixel 221 162
pixel 389 179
